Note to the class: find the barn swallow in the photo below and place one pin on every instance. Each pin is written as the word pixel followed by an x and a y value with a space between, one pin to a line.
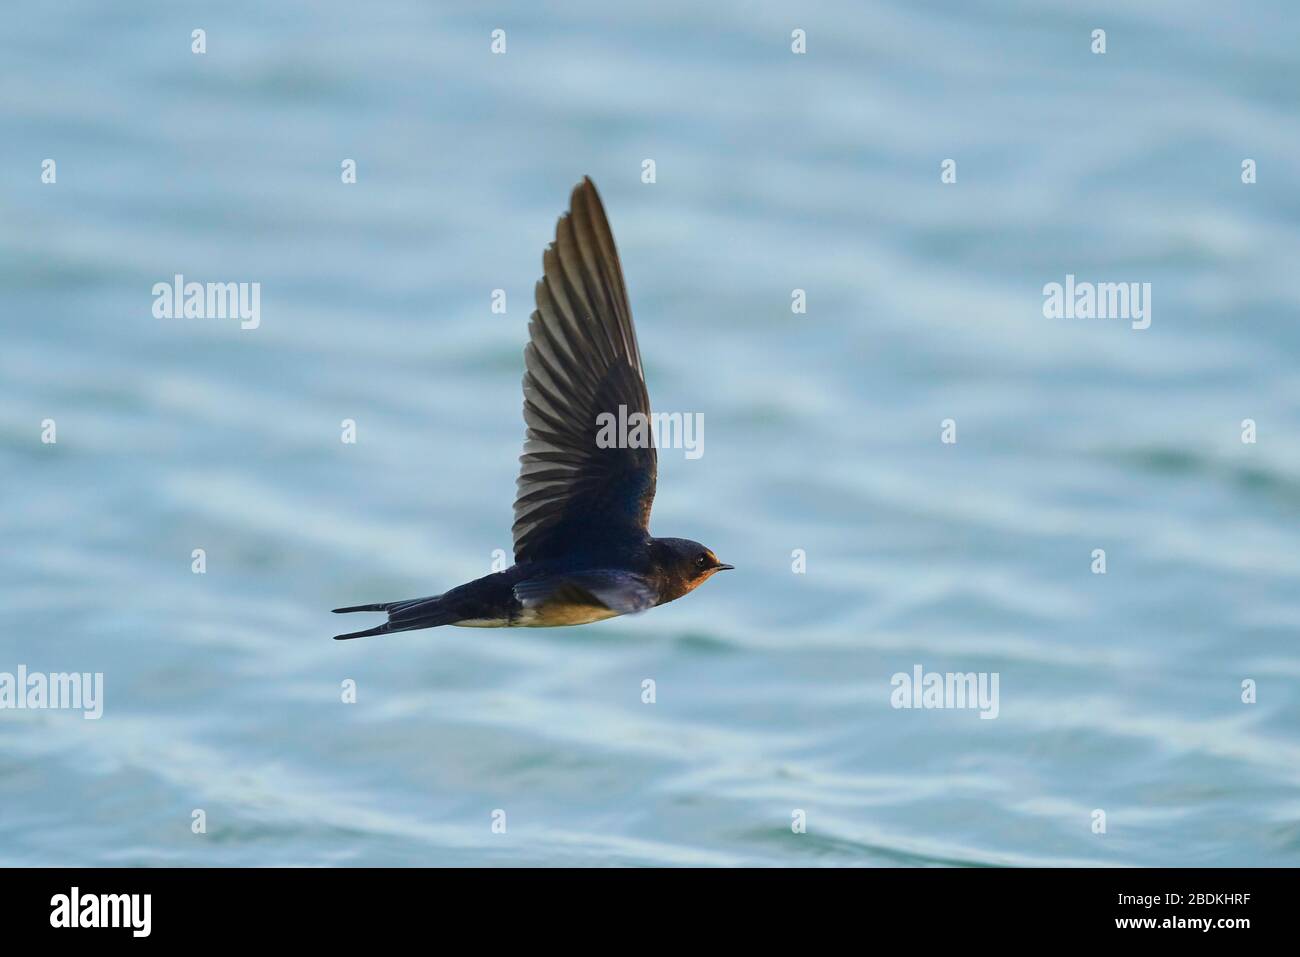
pixel 583 550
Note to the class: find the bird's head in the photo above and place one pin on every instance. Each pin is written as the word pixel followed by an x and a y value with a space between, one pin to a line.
pixel 686 564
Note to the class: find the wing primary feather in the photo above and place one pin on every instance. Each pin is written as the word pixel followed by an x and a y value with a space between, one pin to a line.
pixel 582 360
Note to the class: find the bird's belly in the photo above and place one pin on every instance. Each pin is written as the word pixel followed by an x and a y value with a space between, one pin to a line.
pixel 557 613
pixel 551 615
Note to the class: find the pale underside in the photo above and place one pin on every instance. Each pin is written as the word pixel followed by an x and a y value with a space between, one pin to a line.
pixel 552 615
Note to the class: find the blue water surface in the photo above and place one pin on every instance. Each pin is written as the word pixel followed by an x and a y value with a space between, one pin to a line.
pixel 820 172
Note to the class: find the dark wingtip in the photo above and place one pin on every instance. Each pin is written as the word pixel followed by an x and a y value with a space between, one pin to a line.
pixel 586 186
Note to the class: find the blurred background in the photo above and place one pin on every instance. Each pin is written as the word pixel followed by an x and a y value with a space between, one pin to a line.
pixel 775 172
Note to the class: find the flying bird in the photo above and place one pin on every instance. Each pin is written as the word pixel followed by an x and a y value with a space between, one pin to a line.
pixel 582 545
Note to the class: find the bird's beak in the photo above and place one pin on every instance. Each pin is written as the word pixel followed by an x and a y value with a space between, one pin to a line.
pixel 724 568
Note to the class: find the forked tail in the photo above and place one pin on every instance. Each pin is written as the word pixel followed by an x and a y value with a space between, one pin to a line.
pixel 409 615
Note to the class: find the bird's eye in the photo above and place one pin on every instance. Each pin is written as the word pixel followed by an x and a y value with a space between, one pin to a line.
pixel 702 560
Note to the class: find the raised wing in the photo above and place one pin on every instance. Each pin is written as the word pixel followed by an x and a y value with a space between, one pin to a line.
pixel 581 361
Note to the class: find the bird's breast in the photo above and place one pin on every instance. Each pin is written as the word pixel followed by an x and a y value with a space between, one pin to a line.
pixel 557 613
pixel 551 615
